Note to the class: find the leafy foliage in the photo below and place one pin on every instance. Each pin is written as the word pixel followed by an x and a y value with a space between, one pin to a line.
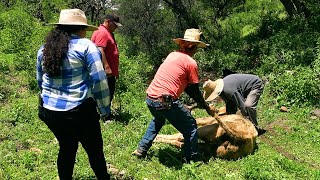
pixel 296 87
pixel 130 85
pixel 15 35
pixel 252 36
pixel 144 27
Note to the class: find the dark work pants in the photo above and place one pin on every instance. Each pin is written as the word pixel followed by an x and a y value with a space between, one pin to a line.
pixel 249 107
pixel 112 86
pixel 80 124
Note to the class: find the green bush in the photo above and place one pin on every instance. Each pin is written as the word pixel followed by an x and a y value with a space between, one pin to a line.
pixel 7 62
pixel 216 60
pixel 131 85
pixel 21 36
pixel 27 57
pixel 292 82
pixel 299 86
pixel 17 26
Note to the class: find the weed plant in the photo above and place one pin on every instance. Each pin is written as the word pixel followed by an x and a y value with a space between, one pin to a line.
pixel 270 47
pixel 29 150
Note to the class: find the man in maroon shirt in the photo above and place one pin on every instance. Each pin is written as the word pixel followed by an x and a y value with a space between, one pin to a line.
pixel 104 39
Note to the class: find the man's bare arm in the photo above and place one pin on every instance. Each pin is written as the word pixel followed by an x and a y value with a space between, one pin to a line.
pixel 105 63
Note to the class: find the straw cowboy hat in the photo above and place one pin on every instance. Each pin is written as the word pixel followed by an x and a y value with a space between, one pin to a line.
pixel 191 35
pixel 212 89
pixel 74 17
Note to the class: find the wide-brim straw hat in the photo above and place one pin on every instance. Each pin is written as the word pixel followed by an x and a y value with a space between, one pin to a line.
pixel 74 17
pixel 191 35
pixel 212 89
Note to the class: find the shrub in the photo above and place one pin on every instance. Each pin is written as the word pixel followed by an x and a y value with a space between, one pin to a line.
pixel 299 86
pixel 131 84
pixel 27 57
pixel 21 36
pixel 7 62
pixel 17 26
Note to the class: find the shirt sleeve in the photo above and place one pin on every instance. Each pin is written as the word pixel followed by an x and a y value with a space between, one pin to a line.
pixel 100 39
pixel 39 68
pixel 193 72
pixel 100 89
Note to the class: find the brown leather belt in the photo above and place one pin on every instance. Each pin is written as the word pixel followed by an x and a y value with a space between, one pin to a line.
pixel 158 99
pixel 163 102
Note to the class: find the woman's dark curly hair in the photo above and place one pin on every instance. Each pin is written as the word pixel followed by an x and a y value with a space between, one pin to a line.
pixel 56 48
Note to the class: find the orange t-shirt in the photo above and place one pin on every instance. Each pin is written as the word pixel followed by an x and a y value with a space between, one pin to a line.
pixel 173 76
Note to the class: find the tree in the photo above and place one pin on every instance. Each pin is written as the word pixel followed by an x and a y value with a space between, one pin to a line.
pixel 148 27
pixel 182 13
pixel 45 10
pixel 93 8
pixel 296 7
pixel 217 11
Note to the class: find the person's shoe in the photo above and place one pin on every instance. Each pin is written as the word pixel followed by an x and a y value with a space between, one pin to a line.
pixel 109 119
pixel 140 154
pixel 260 131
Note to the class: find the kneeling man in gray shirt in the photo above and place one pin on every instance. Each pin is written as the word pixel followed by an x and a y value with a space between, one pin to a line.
pixel 238 91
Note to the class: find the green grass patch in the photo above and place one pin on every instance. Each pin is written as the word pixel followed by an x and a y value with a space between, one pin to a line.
pixel 28 150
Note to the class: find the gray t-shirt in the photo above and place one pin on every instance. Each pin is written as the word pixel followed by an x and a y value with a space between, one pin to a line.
pixel 237 87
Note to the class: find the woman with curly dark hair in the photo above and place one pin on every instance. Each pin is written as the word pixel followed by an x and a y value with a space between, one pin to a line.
pixel 73 83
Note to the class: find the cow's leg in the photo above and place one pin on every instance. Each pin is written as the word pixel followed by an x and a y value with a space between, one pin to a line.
pixel 210 133
pixel 175 139
pixel 177 136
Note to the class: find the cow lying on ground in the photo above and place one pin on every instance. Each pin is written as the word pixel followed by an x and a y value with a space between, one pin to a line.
pixel 228 136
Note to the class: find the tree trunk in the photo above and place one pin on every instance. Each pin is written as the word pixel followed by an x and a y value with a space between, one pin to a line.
pixel 301 8
pixel 181 11
pixel 295 7
pixel 289 6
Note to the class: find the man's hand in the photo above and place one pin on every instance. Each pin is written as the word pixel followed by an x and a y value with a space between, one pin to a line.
pixel 108 71
pixel 211 110
pixel 191 107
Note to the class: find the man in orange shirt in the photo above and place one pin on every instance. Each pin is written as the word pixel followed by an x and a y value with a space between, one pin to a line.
pixel 178 73
pixel 104 39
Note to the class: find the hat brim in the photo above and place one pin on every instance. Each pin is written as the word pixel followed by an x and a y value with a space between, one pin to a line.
pixel 200 44
pixel 118 24
pixel 89 27
pixel 217 91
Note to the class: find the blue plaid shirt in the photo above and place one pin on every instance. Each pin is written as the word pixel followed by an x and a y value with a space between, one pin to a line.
pixel 82 76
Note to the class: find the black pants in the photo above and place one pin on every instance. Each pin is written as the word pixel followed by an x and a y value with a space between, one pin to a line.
pixel 80 124
pixel 112 86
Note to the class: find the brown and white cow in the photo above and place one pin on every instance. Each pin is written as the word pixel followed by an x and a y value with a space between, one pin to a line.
pixel 230 136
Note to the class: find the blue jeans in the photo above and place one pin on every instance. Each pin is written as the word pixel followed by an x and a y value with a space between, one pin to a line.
pixel 181 118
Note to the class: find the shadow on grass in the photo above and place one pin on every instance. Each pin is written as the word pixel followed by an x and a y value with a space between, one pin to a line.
pixel 174 159
pixel 122 117
pixel 171 158
pixel 208 151
pixel 85 178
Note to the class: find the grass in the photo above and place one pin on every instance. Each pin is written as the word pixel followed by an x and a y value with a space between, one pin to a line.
pixel 28 150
